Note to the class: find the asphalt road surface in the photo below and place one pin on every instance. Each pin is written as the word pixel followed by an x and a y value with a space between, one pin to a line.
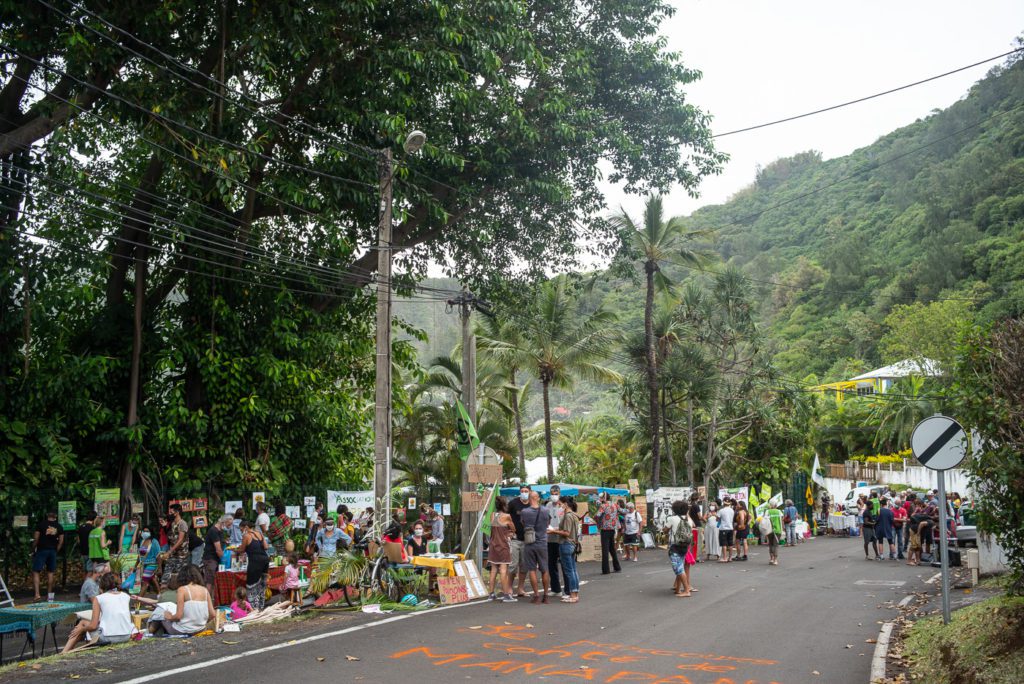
pixel 811 619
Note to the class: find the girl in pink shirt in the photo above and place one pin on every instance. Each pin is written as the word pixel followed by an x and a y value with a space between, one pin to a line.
pixel 291 578
pixel 241 607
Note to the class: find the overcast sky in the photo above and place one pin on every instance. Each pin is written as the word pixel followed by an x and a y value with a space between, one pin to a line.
pixel 766 60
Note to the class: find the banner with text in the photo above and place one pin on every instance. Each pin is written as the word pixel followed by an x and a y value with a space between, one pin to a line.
pixel 356 501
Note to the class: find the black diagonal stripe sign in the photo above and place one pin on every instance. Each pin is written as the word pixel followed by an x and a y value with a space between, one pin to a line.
pixel 943 439
pixel 939 442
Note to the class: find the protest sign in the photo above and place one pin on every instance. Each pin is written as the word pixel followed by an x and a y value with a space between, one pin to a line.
pixel 67 514
pixel 108 504
pixel 232 506
pixel 293 512
pixel 662 498
pixel 452 590
pixel 734 493
pixel 487 474
pixel 356 501
pixel 474 585
pixel 258 497
pixel 309 501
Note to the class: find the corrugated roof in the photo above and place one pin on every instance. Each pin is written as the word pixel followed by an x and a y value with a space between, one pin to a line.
pixel 904 368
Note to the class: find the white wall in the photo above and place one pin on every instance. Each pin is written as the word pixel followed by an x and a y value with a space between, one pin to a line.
pixel 917 477
pixel 992 557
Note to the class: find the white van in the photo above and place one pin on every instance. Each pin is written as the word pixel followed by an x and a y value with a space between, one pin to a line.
pixel 850 501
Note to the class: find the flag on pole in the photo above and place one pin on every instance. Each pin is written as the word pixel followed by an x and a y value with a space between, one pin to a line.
pixel 752 501
pixel 766 492
pixel 485 524
pixel 810 495
pixel 815 475
pixel 466 433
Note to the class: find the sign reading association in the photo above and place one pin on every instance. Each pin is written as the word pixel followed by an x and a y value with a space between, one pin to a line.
pixel 356 501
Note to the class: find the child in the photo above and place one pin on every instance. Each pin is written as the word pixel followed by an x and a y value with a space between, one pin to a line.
pixel 170 592
pixel 291 578
pixel 241 606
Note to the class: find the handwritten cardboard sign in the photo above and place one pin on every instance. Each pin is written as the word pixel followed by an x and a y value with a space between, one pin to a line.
pixel 473 502
pixel 634 487
pixel 452 590
pixel 487 474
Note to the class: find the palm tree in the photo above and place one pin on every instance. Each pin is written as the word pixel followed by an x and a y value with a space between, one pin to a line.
pixel 896 416
pixel 653 242
pixel 563 344
pixel 501 342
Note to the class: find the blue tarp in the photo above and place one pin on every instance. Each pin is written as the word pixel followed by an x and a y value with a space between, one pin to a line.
pixel 567 489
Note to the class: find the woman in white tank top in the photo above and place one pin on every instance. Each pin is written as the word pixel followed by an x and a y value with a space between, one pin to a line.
pixel 195 607
pixel 111 621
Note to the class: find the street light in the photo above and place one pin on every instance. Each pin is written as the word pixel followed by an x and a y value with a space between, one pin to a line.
pixel 414 141
pixel 382 405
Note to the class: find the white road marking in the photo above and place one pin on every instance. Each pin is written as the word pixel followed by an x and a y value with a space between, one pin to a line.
pixel 287 644
pixel 905 600
pixel 881 653
pixel 934 578
pixel 880 583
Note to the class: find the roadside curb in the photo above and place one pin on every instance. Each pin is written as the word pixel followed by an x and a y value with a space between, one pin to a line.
pixel 881 655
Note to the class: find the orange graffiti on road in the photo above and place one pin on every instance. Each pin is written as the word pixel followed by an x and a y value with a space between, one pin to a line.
pixel 587 660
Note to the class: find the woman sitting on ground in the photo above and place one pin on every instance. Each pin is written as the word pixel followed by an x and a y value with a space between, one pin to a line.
pixel 194 605
pixel 111 621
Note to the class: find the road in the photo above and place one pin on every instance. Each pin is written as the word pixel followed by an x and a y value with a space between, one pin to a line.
pixel 749 623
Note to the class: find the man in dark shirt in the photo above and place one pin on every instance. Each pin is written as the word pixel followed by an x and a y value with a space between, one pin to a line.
pixel 213 550
pixel 83 541
pixel 46 542
pixel 535 554
pixel 515 508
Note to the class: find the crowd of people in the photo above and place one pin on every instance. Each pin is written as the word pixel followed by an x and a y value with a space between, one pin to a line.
pixel 907 524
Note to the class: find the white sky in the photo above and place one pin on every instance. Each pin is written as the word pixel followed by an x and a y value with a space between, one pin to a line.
pixel 766 60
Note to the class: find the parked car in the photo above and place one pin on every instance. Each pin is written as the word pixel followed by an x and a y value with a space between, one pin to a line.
pixel 967 531
pixel 850 500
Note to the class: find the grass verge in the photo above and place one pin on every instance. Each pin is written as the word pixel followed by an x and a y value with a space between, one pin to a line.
pixel 982 644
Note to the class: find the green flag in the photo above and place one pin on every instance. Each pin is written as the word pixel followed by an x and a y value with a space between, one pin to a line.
pixel 485 525
pixel 466 433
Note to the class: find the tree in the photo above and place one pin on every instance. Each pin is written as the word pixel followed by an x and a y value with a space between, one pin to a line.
pixel 895 414
pixel 925 331
pixel 986 379
pixel 563 343
pixel 232 150
pixel 502 341
pixel 653 242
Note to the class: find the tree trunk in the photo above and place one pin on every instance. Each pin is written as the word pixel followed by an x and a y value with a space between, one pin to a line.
pixel 519 428
pixel 547 433
pixel 652 374
pixel 26 332
pixel 709 453
pixel 668 444
pixel 690 474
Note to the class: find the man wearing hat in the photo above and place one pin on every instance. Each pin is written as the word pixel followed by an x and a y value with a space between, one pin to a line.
pixel 47 541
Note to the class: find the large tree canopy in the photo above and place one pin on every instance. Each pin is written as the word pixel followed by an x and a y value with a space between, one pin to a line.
pixel 202 178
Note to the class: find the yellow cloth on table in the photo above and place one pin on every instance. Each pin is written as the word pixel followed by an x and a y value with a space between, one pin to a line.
pixel 446 564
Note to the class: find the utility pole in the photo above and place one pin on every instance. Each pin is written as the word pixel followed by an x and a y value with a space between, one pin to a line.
pixel 382 402
pixel 466 302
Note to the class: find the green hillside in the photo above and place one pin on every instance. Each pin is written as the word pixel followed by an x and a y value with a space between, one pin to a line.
pixel 932 213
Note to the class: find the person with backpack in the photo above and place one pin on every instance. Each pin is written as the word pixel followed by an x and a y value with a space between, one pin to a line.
pixel 789 516
pixel 680 541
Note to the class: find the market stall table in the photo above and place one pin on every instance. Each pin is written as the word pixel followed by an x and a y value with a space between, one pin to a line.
pixel 229 580
pixel 36 615
pixel 446 563
pixel 840 522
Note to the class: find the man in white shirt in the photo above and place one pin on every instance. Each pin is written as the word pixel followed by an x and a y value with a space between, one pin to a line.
pixel 725 530
pixel 632 521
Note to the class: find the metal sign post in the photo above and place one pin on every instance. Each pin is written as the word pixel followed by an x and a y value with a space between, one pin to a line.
pixel 940 443
pixel 943 546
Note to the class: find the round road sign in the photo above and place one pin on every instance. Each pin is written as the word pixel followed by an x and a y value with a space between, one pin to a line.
pixel 939 443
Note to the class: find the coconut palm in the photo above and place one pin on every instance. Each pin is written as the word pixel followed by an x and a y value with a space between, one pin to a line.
pixel 501 342
pixel 563 344
pixel 653 242
pixel 897 413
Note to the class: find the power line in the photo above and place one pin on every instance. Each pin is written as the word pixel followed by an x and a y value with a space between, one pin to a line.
pixel 870 166
pixel 224 87
pixel 868 97
pixel 337 277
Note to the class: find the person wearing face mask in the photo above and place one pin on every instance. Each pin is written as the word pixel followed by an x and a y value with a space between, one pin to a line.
pixel 178 555
pixel 556 511
pixel 213 549
pixel 328 538
pixel 711 545
pixel 129 534
pixel 416 544
pixel 515 543
pixel 149 552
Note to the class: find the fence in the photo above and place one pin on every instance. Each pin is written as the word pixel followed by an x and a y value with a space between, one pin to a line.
pixel 867 472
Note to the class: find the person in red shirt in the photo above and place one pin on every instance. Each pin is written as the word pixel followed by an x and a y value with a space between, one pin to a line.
pixel 899 513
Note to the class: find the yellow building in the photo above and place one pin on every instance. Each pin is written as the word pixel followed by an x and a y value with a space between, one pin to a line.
pixel 878 381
